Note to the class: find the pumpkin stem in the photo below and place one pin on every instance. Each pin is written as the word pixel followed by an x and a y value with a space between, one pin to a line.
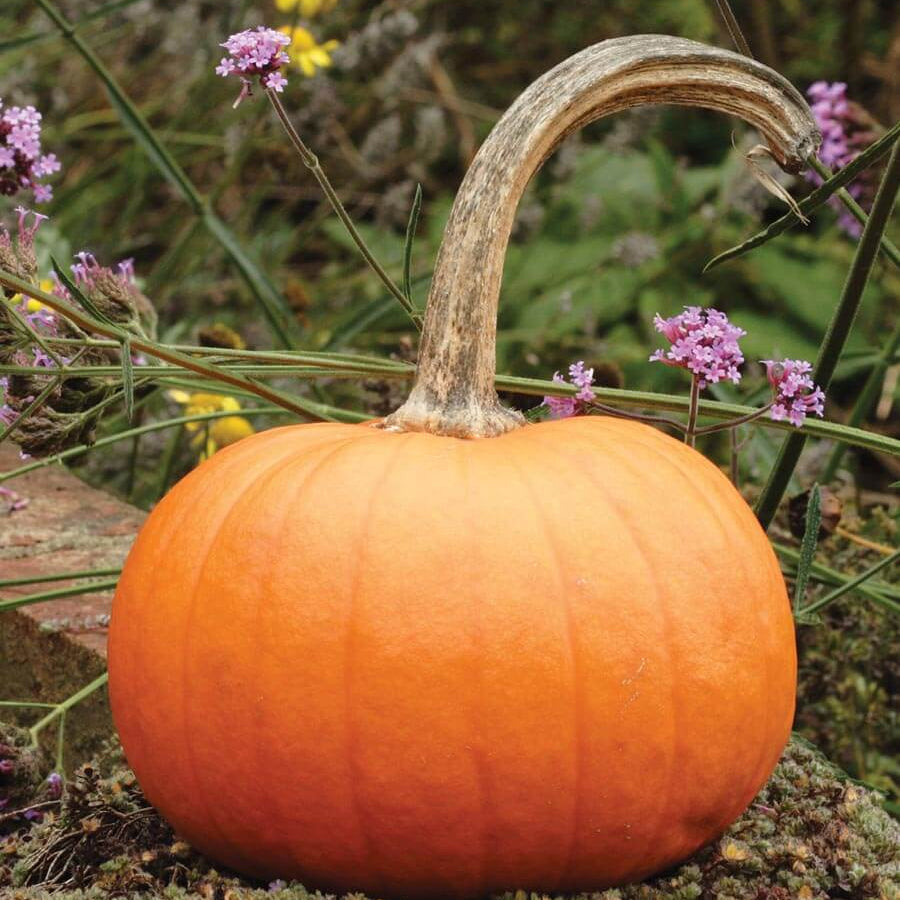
pixel 454 393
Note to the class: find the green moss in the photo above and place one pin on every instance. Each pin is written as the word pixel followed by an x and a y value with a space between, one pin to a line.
pixel 810 833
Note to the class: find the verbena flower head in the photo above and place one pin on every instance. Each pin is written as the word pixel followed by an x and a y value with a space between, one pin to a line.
pixel 704 342
pixel 256 53
pixel 22 164
pixel 564 407
pixel 18 257
pixel 846 130
pixel 796 395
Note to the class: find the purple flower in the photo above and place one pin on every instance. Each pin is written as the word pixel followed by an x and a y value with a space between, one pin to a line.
pixel 564 407
pixel 7 766
pixel 55 785
pixel 846 130
pixel 704 342
pixel 796 395
pixel 22 164
pixel 256 52
pixel 33 815
pixel 277 885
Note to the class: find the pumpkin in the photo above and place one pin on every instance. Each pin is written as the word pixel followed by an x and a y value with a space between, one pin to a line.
pixel 451 653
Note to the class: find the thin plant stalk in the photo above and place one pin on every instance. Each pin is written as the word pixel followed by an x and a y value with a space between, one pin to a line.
pixel 691 431
pixel 733 423
pixel 854 583
pixel 838 332
pixel 311 161
pixel 866 399
pixel 88 323
pixel 57 576
pixel 855 210
pixel 62 708
pixel 272 302
pixel 75 590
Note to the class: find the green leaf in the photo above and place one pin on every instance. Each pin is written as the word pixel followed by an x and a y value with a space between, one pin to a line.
pixel 83 299
pixel 408 245
pixel 128 378
pixel 808 546
pixel 818 198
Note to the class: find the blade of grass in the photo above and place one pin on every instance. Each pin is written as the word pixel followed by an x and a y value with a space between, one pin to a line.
pixel 408 243
pixel 128 379
pixel 854 583
pixel 838 331
pixel 879 592
pixel 33 37
pixel 58 593
pixel 866 399
pixel 734 29
pixel 807 546
pixel 57 576
pixel 273 304
pixel 88 323
pixel 337 415
pixel 819 197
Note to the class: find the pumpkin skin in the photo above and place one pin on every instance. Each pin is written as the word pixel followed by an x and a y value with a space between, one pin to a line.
pixel 420 666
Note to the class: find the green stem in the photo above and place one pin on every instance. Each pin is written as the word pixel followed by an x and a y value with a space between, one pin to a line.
pixel 59 576
pixel 62 708
pixel 818 198
pixel 88 323
pixel 715 409
pixel 854 583
pixel 866 399
pixel 878 592
pixel 74 590
pixel 311 161
pixel 838 332
pixel 339 415
pixel 733 423
pixel 690 432
pixel 855 210
pixel 274 305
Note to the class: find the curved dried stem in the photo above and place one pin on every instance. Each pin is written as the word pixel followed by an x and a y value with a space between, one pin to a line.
pixel 454 389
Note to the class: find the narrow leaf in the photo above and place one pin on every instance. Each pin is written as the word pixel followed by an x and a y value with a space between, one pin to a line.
pixel 854 583
pixel 808 546
pixel 274 305
pixel 408 245
pixel 77 294
pixel 128 378
pixel 817 198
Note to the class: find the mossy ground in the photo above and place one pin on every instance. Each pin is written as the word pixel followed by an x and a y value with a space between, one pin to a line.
pixel 810 833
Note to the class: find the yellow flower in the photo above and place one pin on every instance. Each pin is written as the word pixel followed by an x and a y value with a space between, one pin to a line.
pixel 305 53
pixel 309 9
pixel 212 434
pixel 32 305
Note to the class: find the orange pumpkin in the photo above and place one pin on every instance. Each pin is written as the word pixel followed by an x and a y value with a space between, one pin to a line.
pixel 459 654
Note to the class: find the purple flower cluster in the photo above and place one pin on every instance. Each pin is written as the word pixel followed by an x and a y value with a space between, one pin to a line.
pixel 564 407
pixel 796 395
pixel 22 164
pixel 88 271
pixel 257 52
pixel 845 132
pixel 704 342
